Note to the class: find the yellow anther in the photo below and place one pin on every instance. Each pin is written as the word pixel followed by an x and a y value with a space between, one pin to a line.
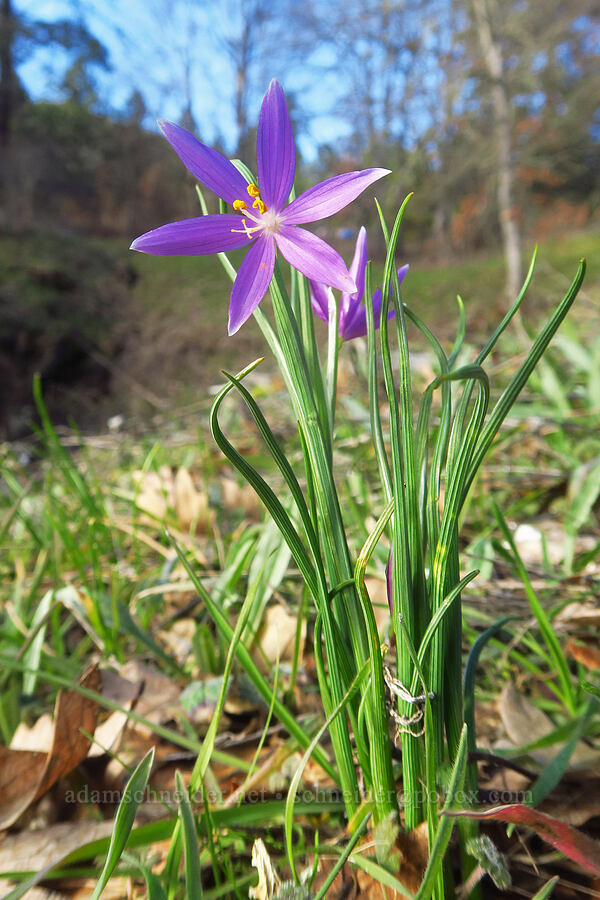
pixel 260 205
pixel 253 190
pixel 239 204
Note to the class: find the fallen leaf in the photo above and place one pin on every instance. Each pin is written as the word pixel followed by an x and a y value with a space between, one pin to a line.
pixel 45 846
pixel 154 493
pixel 534 541
pixel 276 637
pixel 191 507
pixel 574 803
pixel 580 614
pixel 36 893
pixel 242 499
pixel 108 733
pixel 269 881
pixel 25 775
pixel 38 738
pixel 525 724
pixel 584 654
pixel 158 695
pixel 344 885
pixel 568 840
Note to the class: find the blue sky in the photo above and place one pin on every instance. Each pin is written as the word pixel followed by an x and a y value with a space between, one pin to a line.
pixel 147 44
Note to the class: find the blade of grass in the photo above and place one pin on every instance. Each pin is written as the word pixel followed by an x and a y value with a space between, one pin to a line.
pixel 295 782
pixel 124 819
pixel 360 829
pixel 191 851
pixel 446 824
pixel 560 662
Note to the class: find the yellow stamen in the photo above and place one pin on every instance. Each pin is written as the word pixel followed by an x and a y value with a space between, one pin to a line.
pixel 239 204
pixel 260 205
pixel 244 230
pixel 253 190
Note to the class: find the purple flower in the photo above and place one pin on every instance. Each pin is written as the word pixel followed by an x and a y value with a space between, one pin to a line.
pixel 352 320
pixel 261 220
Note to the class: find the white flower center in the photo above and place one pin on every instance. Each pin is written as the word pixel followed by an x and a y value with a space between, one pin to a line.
pixel 264 220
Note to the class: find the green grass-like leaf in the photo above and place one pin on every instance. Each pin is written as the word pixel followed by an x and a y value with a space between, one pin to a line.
pixel 124 819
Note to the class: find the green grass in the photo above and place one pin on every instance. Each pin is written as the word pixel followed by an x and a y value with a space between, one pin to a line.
pixel 62 520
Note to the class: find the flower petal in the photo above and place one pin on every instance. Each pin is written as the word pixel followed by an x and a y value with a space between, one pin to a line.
pixel 252 282
pixel 319 298
pixel 402 272
pixel 350 304
pixel 357 327
pixel 207 165
pixel 313 257
pixel 329 196
pixel 275 149
pixel 193 237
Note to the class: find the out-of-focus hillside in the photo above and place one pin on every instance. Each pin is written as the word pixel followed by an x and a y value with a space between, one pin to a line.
pixel 118 333
pixel 487 111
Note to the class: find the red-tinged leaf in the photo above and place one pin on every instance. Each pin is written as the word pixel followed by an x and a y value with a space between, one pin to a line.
pixel 571 842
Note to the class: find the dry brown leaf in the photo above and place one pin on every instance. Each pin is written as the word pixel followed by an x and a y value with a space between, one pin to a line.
pixel 37 893
pixel 242 499
pixel 269 881
pixel 344 885
pixel 158 696
pixel 179 639
pixel 413 850
pixel 584 654
pixel 154 493
pixel 47 845
pixel 38 738
pixel 580 614
pixel 525 724
pixel 276 637
pixel 534 541
pixel 191 507
pixel 25 775
pixel 116 889
pixel 124 692
pixel 574 803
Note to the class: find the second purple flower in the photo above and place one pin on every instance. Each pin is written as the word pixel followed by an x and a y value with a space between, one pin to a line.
pixel 352 315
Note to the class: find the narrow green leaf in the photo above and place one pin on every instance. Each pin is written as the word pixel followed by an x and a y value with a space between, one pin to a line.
pixel 251 669
pixel 513 390
pixel 124 819
pixel 33 653
pixel 552 643
pixel 264 491
pixel 444 830
pixel 153 883
pixel 546 890
pixel 191 850
pixel 379 873
pixel 339 864
pixel 555 769
pixel 469 676
pixel 295 782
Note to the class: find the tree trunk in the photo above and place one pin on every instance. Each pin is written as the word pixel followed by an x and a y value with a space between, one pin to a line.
pixel 7 76
pixel 511 237
pixel 7 99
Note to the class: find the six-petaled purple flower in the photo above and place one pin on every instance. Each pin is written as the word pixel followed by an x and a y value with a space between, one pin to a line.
pixel 352 316
pixel 261 219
